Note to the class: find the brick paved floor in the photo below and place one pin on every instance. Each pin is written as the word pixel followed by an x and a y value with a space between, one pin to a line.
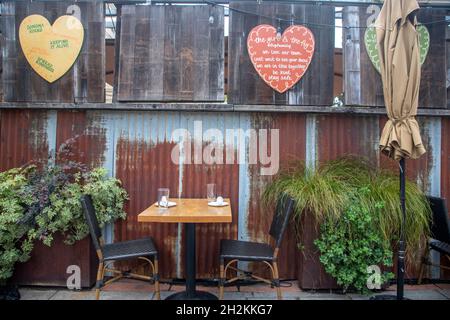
pixel 137 290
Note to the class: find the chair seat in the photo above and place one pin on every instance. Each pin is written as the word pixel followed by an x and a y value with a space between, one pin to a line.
pixel 440 246
pixel 129 249
pixel 246 251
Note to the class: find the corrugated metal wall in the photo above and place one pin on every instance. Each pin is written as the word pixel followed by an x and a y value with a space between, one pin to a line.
pixel 136 147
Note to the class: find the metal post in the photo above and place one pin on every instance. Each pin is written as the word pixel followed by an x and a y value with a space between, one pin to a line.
pixel 190 260
pixel 401 249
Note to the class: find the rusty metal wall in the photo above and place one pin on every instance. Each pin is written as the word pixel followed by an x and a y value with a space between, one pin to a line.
pixel 254 219
pixel 136 147
pixel 24 136
pixel 445 175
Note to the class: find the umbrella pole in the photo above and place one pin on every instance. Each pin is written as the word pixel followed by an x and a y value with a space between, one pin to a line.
pixel 401 245
pixel 401 249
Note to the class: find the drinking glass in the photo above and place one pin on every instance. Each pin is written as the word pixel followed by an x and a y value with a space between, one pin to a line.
pixel 163 197
pixel 211 192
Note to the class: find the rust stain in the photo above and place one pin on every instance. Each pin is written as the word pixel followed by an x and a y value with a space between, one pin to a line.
pixel 84 135
pixel 339 135
pixel 195 179
pixel 143 168
pixel 445 178
pixel 292 135
pixel 23 137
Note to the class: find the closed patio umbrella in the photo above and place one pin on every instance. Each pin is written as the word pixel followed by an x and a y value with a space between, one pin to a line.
pixel 398 49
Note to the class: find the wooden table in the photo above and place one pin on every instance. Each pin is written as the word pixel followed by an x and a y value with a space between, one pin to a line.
pixel 189 212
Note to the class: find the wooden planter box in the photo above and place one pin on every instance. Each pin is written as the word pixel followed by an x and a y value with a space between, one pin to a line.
pixel 48 265
pixel 311 273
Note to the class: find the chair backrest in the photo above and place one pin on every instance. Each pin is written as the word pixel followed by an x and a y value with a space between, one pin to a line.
pixel 91 220
pixel 440 227
pixel 281 218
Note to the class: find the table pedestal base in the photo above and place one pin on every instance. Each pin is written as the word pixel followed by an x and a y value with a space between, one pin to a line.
pixel 198 295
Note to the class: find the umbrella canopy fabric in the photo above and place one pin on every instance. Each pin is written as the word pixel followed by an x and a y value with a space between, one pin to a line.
pixel 398 48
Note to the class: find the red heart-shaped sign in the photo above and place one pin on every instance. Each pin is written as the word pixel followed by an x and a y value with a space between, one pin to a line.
pixel 281 61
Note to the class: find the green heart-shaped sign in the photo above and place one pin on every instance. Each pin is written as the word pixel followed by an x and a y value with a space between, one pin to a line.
pixel 370 40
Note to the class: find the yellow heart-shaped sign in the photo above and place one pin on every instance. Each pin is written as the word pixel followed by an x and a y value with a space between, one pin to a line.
pixel 51 50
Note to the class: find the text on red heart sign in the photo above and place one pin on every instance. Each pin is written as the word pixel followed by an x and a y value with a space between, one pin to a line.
pixel 281 61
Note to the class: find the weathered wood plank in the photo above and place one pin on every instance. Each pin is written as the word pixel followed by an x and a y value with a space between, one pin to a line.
pixel 126 54
pixel 141 52
pixel 362 82
pixel 316 86
pixel 351 53
pixel 172 54
pixel 216 54
pixel 156 68
pixel 84 82
pixel 448 65
pixel 1 56
pixel 214 107
pixel 9 49
pixel 117 53
pixel 433 93
pixel 165 53
pixel 96 54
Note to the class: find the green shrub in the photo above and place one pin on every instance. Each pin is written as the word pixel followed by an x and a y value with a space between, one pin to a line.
pixel 37 202
pixel 351 244
pixel 333 189
pixel 16 241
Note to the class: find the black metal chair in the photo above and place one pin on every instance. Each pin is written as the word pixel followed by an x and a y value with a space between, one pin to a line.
pixel 143 249
pixel 232 251
pixel 440 232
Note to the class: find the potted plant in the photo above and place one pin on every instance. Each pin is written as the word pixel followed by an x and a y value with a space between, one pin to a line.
pixel 41 218
pixel 336 203
pixel 13 250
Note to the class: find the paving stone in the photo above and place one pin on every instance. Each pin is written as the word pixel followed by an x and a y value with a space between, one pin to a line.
pixel 445 292
pixel 324 296
pixel 357 296
pixel 130 285
pixel 425 295
pixel 36 294
pixel 443 286
pixel 236 295
pixel 419 295
pixel 53 294
pixel 273 295
pixel 165 294
pixel 127 296
pixel 104 295
pixel 73 295
pixel 273 298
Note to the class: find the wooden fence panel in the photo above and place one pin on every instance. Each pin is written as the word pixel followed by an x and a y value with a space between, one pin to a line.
pixel 1 59
pixel 171 53
pixel 84 82
pixel 362 83
pixel 245 85
pixel 448 67
pixel 433 93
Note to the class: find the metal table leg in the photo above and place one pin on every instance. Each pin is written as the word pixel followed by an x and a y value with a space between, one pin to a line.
pixel 191 293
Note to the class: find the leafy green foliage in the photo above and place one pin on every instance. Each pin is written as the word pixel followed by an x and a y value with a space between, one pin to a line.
pixel 12 202
pixel 351 244
pixel 37 203
pixel 329 191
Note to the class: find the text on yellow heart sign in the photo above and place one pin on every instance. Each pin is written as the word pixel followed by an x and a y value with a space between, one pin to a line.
pixel 51 50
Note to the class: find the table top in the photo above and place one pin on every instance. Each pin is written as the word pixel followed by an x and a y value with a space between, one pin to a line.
pixel 187 211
